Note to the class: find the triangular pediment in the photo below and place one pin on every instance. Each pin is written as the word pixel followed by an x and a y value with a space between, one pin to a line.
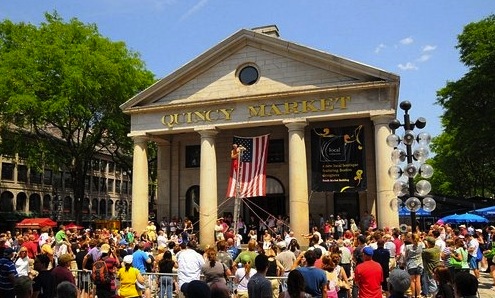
pixel 284 68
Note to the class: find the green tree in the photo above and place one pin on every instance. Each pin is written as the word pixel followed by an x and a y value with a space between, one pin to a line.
pixel 465 150
pixel 61 85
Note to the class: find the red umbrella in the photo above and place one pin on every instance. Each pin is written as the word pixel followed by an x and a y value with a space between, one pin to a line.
pixel 72 226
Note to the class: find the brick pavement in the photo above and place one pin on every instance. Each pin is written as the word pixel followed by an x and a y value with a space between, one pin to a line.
pixel 485 284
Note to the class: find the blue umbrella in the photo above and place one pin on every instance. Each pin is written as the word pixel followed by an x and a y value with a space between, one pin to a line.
pixel 464 218
pixel 485 211
pixel 449 218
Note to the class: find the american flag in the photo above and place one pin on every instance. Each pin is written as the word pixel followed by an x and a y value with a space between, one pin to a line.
pixel 251 173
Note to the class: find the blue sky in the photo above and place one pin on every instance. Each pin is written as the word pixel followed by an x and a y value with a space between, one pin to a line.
pixel 414 39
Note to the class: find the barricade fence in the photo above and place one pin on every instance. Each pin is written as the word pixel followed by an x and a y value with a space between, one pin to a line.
pixel 160 285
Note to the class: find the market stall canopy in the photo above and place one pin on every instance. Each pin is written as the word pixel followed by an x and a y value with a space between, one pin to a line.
pixel 464 218
pixel 72 226
pixel 488 211
pixel 36 223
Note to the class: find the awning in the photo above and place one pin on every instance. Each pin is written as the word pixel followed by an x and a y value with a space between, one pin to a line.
pixel 72 226
pixel 35 223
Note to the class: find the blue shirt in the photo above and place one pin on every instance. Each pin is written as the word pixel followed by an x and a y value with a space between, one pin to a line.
pixel 7 267
pixel 314 278
pixel 139 258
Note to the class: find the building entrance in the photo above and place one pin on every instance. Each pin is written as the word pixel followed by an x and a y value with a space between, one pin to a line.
pixel 265 206
pixel 347 204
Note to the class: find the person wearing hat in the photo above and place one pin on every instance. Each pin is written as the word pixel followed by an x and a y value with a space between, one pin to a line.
pixel 285 257
pixel 398 283
pixel 242 276
pixel 369 275
pixel 8 274
pixel 61 272
pixel 23 287
pixel 128 276
pixel 108 255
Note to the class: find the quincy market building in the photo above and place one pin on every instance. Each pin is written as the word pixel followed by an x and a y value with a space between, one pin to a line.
pixel 327 119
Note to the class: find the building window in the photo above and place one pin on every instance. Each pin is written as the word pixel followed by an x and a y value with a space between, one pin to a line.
pixel 22 173
pixel 35 176
pixel 87 183
pixel 57 179
pixel 117 186
pixel 95 164
pixel 193 155
pixel 68 180
pixel 103 185
pixel 103 166
pixel 276 151
pixel 110 185
pixel 248 75
pixel 48 177
pixel 111 167
pixel 7 171
pixel 125 187
pixel 96 184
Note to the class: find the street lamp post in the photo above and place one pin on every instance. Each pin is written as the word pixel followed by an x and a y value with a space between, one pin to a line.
pixel 409 194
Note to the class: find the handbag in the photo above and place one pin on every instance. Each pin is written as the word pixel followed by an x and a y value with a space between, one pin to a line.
pixel 343 285
pixel 455 263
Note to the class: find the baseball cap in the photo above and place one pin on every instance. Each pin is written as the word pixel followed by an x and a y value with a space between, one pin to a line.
pixel 399 280
pixel 8 251
pixel 22 285
pixel 105 248
pixel 368 251
pixel 64 259
pixel 462 227
pixel 281 244
pixel 128 259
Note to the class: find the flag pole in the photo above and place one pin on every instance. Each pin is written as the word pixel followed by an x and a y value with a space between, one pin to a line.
pixel 237 199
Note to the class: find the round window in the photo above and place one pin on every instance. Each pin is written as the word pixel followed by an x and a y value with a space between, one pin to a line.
pixel 248 75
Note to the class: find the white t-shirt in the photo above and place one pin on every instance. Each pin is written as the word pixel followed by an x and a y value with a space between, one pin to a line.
pixel 190 263
pixel 473 243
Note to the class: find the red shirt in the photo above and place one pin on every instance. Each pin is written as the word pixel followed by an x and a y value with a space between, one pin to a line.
pixel 369 277
pixel 32 249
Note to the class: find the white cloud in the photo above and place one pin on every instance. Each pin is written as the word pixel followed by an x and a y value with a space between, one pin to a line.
pixel 407 40
pixel 429 48
pixel 424 58
pixel 407 66
pixel 379 48
pixel 194 9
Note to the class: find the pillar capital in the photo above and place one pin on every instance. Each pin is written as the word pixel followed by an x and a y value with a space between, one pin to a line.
pixel 139 139
pixel 295 124
pixel 207 131
pixel 382 119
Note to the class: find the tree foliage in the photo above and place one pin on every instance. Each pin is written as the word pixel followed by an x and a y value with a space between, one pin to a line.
pixel 465 150
pixel 61 85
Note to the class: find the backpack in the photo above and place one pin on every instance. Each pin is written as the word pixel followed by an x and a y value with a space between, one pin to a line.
pixel 100 274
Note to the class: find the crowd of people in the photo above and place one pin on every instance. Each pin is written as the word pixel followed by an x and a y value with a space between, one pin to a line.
pixel 338 258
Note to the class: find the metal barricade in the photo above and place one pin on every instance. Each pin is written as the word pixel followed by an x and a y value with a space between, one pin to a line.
pixel 160 285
